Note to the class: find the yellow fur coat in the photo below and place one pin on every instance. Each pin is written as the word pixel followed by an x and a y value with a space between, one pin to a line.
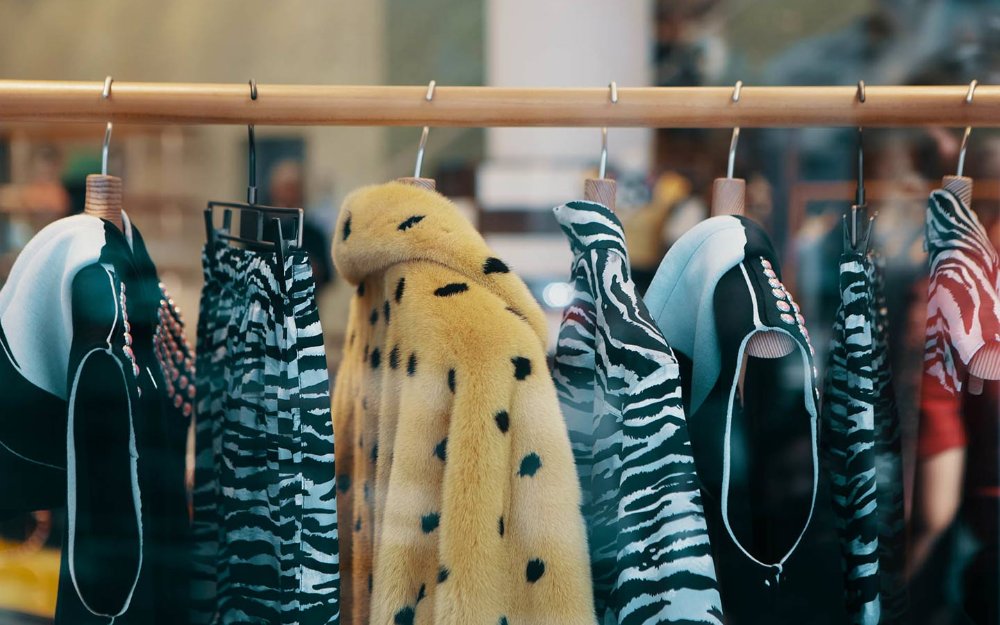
pixel 458 498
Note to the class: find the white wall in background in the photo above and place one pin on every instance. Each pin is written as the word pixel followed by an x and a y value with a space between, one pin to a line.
pixel 565 43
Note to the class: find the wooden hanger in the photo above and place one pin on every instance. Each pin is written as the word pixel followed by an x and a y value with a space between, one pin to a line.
pixel 104 192
pixel 729 198
pixel 602 190
pixel 416 180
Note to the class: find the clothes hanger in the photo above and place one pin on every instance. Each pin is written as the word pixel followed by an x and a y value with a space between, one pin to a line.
pixel 729 198
pixel 261 227
pixel 603 190
pixel 416 180
pixel 104 192
pixel 958 184
pixel 852 233
pixel 729 194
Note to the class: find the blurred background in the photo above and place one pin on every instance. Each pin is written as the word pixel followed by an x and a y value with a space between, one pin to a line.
pixel 799 182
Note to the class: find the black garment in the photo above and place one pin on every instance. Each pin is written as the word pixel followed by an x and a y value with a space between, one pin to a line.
pixel 110 443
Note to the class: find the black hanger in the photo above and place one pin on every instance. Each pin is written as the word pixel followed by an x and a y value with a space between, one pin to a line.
pixel 260 226
pixel 852 232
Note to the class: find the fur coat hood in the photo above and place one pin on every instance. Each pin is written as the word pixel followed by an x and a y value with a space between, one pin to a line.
pixel 456 482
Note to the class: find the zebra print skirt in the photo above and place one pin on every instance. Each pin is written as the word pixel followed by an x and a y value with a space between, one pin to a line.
pixel 265 517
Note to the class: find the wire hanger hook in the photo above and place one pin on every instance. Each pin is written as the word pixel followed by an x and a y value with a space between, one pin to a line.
pixel 737 91
pixel 105 148
pixel 252 152
pixel 603 169
pixel 968 129
pixel 429 96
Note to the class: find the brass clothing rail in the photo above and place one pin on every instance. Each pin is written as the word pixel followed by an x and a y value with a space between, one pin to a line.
pixel 658 107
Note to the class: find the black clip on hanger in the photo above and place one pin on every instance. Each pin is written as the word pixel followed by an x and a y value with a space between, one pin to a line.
pixel 860 204
pixel 255 236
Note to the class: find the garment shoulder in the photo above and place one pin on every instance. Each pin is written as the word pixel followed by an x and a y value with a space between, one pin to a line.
pixel 95 298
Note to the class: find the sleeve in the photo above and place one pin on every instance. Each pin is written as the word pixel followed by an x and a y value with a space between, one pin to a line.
pixel 104 545
pixel 941 426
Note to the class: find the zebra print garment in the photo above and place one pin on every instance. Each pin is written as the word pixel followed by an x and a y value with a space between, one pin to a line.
pixel 619 382
pixel 963 305
pixel 855 379
pixel 849 440
pixel 265 519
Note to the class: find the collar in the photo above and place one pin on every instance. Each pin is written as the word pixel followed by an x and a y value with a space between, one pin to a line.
pixel 384 225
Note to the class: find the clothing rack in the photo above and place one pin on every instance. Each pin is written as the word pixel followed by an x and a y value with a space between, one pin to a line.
pixel 658 107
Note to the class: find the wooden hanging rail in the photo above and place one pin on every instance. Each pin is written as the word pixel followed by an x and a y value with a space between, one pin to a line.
pixel 671 107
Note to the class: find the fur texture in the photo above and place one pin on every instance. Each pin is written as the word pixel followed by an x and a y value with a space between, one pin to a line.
pixel 455 473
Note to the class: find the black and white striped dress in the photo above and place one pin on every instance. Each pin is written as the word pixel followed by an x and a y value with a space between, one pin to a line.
pixel 265 516
pixel 619 385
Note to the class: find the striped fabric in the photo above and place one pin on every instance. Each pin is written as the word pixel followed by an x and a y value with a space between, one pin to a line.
pixel 963 304
pixel 265 519
pixel 848 426
pixel 620 388
pixel 862 446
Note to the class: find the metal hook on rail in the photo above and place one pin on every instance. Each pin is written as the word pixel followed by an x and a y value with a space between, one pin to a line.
pixel 252 152
pixel 429 96
pixel 106 146
pixel 968 129
pixel 602 170
pixel 859 198
pixel 737 90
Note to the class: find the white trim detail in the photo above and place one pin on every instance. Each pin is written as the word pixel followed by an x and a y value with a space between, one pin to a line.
pixel 727 442
pixel 71 482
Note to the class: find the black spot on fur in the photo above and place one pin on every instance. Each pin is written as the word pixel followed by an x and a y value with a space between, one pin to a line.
pixel 361 289
pixel 452 289
pixel 503 621
pixel 394 357
pixel 503 421
pixel 519 315
pixel 443 573
pixel 404 616
pixel 399 289
pixel 347 227
pixel 411 365
pixel 535 570
pixel 385 311
pixel 369 582
pixel 422 593
pixel 451 380
pixel 410 222
pixel 376 358
pixel 429 522
pixel 343 482
pixel 441 449
pixel 368 491
pixel 501 527
pixel 522 367
pixel 530 465
pixel 375 455
pixel 373 318
pixel 495 265
pixel 357 525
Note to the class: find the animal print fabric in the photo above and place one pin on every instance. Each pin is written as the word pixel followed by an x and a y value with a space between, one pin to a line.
pixel 849 440
pixel 265 516
pixel 619 385
pixel 859 375
pixel 963 304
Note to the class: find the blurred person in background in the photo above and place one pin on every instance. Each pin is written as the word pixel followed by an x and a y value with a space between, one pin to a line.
pixel 286 189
